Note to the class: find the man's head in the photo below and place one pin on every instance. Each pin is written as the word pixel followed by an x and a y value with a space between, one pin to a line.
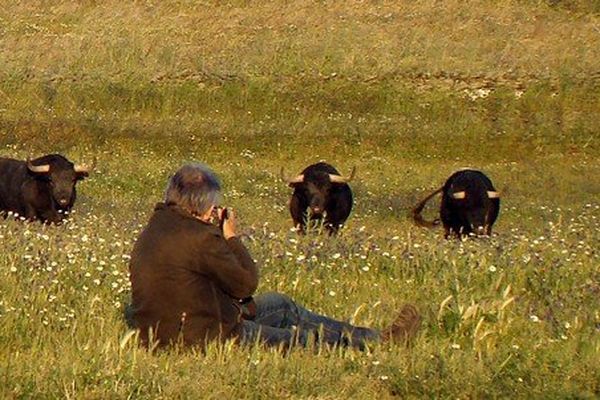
pixel 194 187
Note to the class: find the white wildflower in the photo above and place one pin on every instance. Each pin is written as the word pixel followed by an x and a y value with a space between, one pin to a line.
pixel 534 318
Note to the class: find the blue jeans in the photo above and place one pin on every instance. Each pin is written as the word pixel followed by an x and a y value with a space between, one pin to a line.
pixel 280 321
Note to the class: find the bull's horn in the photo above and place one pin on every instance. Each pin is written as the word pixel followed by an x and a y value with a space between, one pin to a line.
pixel 38 168
pixel 342 179
pixel 493 194
pixel 459 195
pixel 296 179
pixel 83 168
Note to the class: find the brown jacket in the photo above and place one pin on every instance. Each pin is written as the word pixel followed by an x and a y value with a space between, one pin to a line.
pixel 185 279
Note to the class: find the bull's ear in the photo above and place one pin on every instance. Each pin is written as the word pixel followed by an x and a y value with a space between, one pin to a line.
pixel 81 171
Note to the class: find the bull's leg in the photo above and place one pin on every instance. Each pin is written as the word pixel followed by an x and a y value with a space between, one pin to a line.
pixel 332 229
pixel 30 213
pixel 300 228
pixel 50 217
pixel 299 224
pixel 297 214
pixel 453 231
pixel 447 231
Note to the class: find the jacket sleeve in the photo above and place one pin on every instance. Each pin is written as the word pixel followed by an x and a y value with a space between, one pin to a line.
pixel 230 265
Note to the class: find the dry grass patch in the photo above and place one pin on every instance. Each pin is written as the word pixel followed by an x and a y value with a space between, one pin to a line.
pixel 204 41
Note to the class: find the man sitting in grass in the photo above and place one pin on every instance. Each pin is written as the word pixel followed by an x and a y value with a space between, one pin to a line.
pixel 192 281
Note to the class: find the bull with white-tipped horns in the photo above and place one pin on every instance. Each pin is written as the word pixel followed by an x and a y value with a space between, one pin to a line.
pixel 40 189
pixel 470 205
pixel 320 194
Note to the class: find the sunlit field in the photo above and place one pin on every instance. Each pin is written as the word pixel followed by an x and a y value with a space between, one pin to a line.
pixel 406 93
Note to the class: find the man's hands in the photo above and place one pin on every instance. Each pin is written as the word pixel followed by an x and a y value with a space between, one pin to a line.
pixel 228 222
pixel 248 306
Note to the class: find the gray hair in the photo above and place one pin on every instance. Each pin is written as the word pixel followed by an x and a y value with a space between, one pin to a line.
pixel 194 187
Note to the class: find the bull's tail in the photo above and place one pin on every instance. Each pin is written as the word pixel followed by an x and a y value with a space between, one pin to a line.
pixel 416 212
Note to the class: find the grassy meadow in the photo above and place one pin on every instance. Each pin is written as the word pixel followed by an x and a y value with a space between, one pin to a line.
pixel 405 91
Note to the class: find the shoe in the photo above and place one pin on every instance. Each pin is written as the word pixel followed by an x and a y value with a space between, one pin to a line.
pixel 405 326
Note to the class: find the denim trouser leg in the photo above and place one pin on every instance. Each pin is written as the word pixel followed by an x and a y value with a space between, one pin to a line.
pixel 279 320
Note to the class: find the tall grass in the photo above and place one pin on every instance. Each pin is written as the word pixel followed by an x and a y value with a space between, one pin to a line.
pixel 407 92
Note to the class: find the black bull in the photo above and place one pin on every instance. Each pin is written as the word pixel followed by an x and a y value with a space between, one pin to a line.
pixel 42 189
pixel 470 204
pixel 320 194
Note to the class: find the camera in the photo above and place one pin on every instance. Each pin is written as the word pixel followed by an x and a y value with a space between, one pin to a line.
pixel 223 215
